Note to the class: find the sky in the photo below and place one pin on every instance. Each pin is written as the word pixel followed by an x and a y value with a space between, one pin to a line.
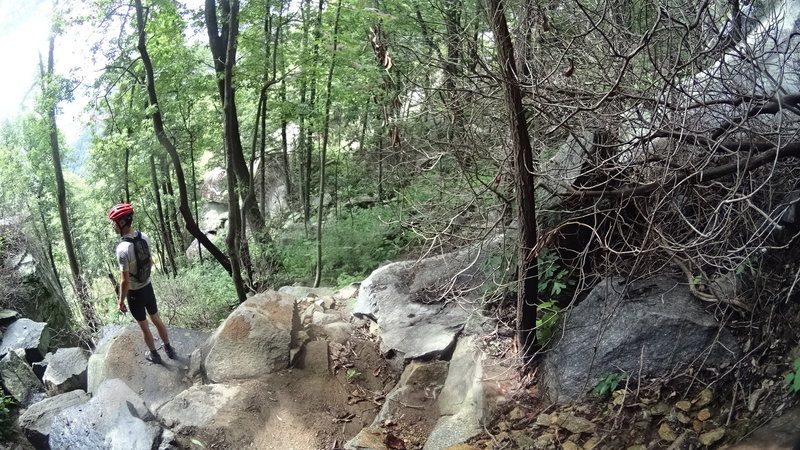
pixel 24 32
pixel 24 28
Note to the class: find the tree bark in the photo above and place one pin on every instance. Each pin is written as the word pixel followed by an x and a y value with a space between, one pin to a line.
pixel 81 290
pixel 220 45
pixel 169 146
pixel 234 238
pixel 165 233
pixel 323 150
pixel 527 270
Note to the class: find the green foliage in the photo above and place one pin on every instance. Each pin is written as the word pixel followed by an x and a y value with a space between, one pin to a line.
pixel 352 373
pixel 6 421
pixel 552 277
pixel 546 320
pixel 352 246
pixel 552 281
pixel 608 384
pixel 198 298
pixel 792 379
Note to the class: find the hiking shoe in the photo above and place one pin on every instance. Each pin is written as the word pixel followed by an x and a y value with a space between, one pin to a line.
pixel 153 357
pixel 169 351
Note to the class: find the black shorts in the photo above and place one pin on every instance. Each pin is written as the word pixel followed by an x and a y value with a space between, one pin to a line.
pixel 142 299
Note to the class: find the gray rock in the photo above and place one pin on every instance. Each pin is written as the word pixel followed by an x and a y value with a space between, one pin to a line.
pixel 320 318
pixel 36 422
pixel 254 340
pixel 308 314
pixel 347 292
pixel 370 438
pixel 649 327
pixel 214 187
pixel 560 170
pixel 316 358
pixel 115 418
pixel 412 301
pixel 19 379
pixel 122 357
pixel 33 337
pixel 305 291
pixel 326 302
pixel 40 367
pixel 418 385
pixel 218 410
pixel 66 371
pixel 339 332
pixel 461 402
pixel 7 316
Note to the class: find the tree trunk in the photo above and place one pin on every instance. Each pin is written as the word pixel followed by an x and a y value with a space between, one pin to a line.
pixel 219 43
pixel 323 150
pixel 81 290
pixel 234 225
pixel 527 269
pixel 48 239
pixel 166 237
pixel 169 146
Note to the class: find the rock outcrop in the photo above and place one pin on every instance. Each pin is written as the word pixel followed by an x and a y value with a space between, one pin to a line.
pixel 115 417
pixel 253 341
pixel 646 328
pixel 121 356
pixel 66 371
pixel 422 306
pixel 37 421
pixel 19 379
pixel 33 337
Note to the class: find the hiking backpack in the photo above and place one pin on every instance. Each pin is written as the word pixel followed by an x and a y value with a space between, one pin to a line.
pixel 142 252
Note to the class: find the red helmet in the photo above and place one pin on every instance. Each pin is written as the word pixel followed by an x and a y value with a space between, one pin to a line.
pixel 120 211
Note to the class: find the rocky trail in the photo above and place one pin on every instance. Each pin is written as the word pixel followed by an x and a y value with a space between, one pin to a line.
pixel 388 365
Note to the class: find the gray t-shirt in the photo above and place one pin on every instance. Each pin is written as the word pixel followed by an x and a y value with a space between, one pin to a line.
pixel 126 259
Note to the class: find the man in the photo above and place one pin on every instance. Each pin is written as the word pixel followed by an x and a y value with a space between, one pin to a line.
pixel 141 298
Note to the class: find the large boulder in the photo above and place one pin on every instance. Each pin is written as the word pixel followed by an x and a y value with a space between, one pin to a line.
pixel 461 401
pixel 648 328
pixel 66 371
pixel 19 379
pixel 37 421
pixel 121 356
pixel 233 413
pixel 33 337
pixel 115 418
pixel 213 217
pixel 254 340
pixel 421 306
pixel 214 187
pixel 419 384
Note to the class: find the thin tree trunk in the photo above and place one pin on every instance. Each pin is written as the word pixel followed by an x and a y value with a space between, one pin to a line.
pixel 219 43
pixel 527 269
pixel 171 214
pixel 311 105
pixel 81 290
pixel 165 233
pixel 324 149
pixel 234 224
pixel 48 239
pixel 194 190
pixel 169 146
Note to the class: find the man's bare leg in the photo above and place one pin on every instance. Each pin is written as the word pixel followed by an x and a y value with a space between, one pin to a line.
pixel 162 330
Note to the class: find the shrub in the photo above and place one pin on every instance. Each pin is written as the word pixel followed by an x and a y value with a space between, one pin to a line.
pixel 352 247
pixel 198 298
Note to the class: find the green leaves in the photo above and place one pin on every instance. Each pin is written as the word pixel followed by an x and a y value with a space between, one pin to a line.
pixel 608 384
pixel 792 379
pixel 547 318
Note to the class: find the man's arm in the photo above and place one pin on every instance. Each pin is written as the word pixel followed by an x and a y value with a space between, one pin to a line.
pixel 124 285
